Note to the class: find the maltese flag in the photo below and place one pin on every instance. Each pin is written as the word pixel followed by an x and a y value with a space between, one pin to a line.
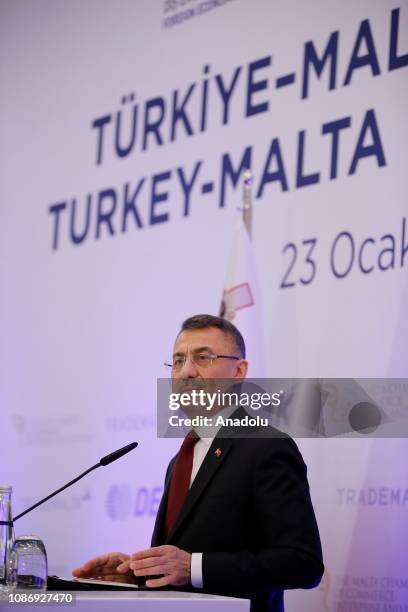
pixel 241 302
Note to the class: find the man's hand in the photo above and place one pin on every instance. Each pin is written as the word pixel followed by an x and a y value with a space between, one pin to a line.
pixel 112 566
pixel 171 561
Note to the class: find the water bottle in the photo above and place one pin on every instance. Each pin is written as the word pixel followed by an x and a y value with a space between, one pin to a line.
pixel 6 534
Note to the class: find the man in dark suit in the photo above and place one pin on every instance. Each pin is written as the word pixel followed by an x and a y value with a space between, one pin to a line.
pixel 236 516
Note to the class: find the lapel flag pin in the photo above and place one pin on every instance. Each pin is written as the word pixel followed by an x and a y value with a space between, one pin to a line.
pixel 218 452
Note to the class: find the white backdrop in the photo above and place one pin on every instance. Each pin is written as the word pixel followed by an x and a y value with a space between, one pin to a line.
pixel 85 326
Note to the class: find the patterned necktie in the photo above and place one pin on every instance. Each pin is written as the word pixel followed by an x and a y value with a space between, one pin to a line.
pixel 180 480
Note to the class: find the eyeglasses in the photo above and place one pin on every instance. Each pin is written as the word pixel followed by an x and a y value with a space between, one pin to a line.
pixel 201 360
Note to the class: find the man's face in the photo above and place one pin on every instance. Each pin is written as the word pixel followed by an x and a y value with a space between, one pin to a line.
pixel 212 341
pixel 214 377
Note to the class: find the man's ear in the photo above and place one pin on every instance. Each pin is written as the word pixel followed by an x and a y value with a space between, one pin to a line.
pixel 241 368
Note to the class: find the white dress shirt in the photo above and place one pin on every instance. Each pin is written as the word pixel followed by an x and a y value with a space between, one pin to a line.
pixel 200 450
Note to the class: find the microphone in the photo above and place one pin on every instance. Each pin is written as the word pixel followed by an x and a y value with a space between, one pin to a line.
pixel 117 454
pixel 104 461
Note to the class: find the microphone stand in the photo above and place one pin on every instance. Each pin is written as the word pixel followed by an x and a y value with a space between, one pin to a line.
pixel 104 461
pixel 15 518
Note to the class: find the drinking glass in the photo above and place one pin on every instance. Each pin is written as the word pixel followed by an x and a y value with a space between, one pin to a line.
pixel 28 563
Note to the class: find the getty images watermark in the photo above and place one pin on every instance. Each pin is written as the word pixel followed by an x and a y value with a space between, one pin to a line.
pixel 275 407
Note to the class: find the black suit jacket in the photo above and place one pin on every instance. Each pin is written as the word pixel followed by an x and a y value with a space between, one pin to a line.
pixel 249 512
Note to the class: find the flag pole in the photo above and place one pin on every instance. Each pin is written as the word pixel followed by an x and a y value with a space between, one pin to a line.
pixel 247 201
